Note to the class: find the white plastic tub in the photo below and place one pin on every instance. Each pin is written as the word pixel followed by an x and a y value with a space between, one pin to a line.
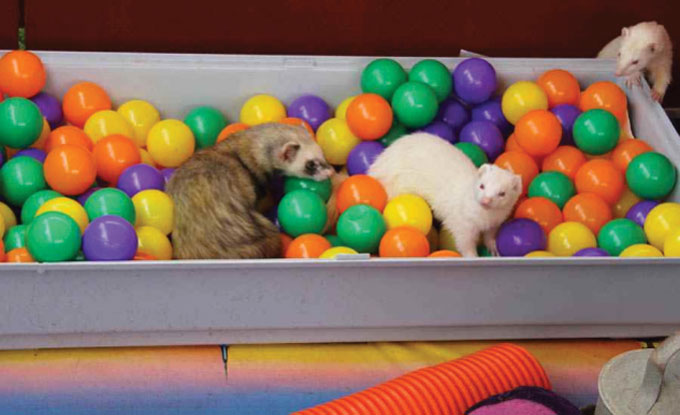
pixel 187 302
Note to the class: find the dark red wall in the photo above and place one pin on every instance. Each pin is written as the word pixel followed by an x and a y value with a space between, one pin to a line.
pixel 9 22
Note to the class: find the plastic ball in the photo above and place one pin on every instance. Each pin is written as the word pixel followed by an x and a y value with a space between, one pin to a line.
pixel 20 122
pixel 492 110
pixel 22 74
pixel 310 108
pixel 15 237
pixel 567 115
pixel 34 202
pixel 662 221
pixel 445 253
pixel 361 189
pixel 518 237
pixel 361 228
pixel 383 77
pixel 538 132
pixel 39 144
pixel 153 242
pixel 552 185
pixel 591 252
pixel 110 201
pixel 608 96
pixel 337 250
pixel 68 134
pixel 341 110
pixel 560 86
pixel 486 135
pixel 53 237
pixel 542 211
pixel 7 215
pixel 205 123
pixel 70 169
pixel 261 109
pixel 671 245
pixel 369 116
pixel 336 140
pixel 641 251
pixel 107 122
pixel 474 80
pixel 285 243
pixel 145 158
pixel 82 198
pixel 651 175
pixel 570 237
pixel 619 234
pixel 625 202
pixel 231 129
pixel 405 242
pixel 521 164
pixel 50 108
pixel 396 132
pixel 109 238
pixel 415 104
pixel 34 153
pixel 307 246
pixel 67 206
pixel 408 210
pixel 639 211
pixel 82 100
pixel 299 122
pixel 602 178
pixel 433 74
pixel 522 97
pixel 19 255
pixel 114 154
pixel 322 188
pixel 539 254
pixel 441 130
pixel 167 174
pixel 301 212
pixel 596 131
pixel 140 177
pixel 588 209
pixel 334 240
pixel 455 114
pixel 566 160
pixel 170 143
pixel 362 156
pixel 20 177
pixel 141 115
pixel 627 150
pixel 154 208
pixel 474 153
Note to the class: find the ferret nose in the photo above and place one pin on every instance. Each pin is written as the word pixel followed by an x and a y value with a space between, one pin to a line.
pixel 486 201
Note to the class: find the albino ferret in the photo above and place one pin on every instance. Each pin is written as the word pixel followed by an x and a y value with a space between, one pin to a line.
pixel 470 202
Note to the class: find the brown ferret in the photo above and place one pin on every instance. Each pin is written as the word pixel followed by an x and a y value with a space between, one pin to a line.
pixel 218 190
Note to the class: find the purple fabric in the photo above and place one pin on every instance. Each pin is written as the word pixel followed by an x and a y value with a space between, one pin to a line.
pixel 516 402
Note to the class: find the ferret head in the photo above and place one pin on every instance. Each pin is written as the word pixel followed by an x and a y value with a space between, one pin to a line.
pixel 639 45
pixel 497 188
pixel 297 154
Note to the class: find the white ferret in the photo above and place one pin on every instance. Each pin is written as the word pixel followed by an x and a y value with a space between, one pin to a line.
pixel 645 47
pixel 469 202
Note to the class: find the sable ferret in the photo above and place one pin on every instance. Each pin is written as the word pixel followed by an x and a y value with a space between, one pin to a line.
pixel 216 191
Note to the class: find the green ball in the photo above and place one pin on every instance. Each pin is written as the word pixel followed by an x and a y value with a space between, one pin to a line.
pixel 110 201
pixel 53 237
pixel 396 132
pixel 80 256
pixel 34 202
pixel 20 122
pixel 434 74
pixel 596 131
pixel 474 152
pixel 619 234
pixel 383 77
pixel 20 177
pixel 415 104
pixel 15 237
pixel 552 185
pixel 651 176
pixel 322 188
pixel 334 240
pixel 483 251
pixel 301 212
pixel 361 227
pixel 206 123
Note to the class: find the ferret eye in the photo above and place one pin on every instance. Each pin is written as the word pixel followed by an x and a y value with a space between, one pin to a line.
pixel 635 62
pixel 618 54
pixel 481 186
pixel 501 194
pixel 310 167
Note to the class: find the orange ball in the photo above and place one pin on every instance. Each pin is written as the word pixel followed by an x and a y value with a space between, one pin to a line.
pixel 602 178
pixel 68 134
pixel 519 163
pixel 565 159
pixel 308 246
pixel 561 87
pixel 588 209
pixel 538 132
pixel 298 121
pixel 3 256
pixel 285 243
pixel 511 144
pixel 627 150
pixel 82 100
pixel 113 154
pixel 445 253
pixel 142 256
pixel 19 255
pixel 542 211
pixel 404 241
pixel 369 116
pixel 231 129
pixel 22 74
pixel 361 189
pixel 606 95
pixel 70 169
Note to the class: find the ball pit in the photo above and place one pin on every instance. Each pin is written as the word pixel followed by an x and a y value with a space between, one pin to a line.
pixel 568 238
pixel 492 111
pixel 441 130
pixel 153 208
pixel 105 123
pixel 619 234
pixel 519 237
pixel 205 123
pixel 22 74
pixel 260 109
pixel 435 75
pixel 369 116
pixel 641 251
pixel 567 115
pixel 561 87
pixel 110 201
pixel 608 96
pixel 588 209
pixel 639 211
pixel 596 132
pixel 70 169
pixel 474 80
pixel 383 77
pixel 602 178
pixel 141 115
pixel 301 212
pixel 361 227
pixel 20 177
pixel 82 100
pixel 408 210
pixel 486 135
pixel 113 154
pixel 20 122
pixel 538 132
pixel 651 175
pixel 153 242
pixel 552 185
pixel 361 189
pixel 521 98
pixel 661 221
pixel 109 238
pixel 362 156
pixel 310 108
pixel 67 206
pixel 454 113
pixel 308 246
pixel 415 104
pixel 542 211
pixel 336 140
pixel 53 237
pixel 50 108
pixel 170 143
pixel 404 241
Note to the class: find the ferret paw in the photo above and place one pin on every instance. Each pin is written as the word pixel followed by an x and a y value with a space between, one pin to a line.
pixel 657 96
pixel 634 80
pixel 491 247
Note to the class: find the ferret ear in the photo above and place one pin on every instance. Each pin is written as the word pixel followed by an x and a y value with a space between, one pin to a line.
pixel 517 183
pixel 483 169
pixel 625 32
pixel 652 47
pixel 289 151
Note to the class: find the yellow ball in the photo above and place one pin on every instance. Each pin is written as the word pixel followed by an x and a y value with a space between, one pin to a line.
pixel 8 216
pixel 142 116
pixel 336 140
pixel 154 208
pixel 40 142
pixel 153 242
pixel 170 143
pixel 522 97
pixel 107 122
pixel 146 157
pixel 661 221
pixel 627 200
pixel 433 239
pixel 446 240
pixel 262 108
pixel 3 228
pixel 640 250
pixel 567 238
pixel 338 250
pixel 539 254
pixel 408 210
pixel 341 111
pixel 671 245
pixel 68 207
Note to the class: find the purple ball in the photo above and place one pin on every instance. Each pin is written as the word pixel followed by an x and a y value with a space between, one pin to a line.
pixel 50 108
pixel 453 113
pixel 486 135
pixel 491 111
pixel 639 211
pixel 33 153
pixel 441 130
pixel 567 114
pixel 474 80
pixel 167 173
pixel 362 156
pixel 140 177
pixel 518 237
pixel 592 252
pixel 83 198
pixel 310 108
pixel 109 238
